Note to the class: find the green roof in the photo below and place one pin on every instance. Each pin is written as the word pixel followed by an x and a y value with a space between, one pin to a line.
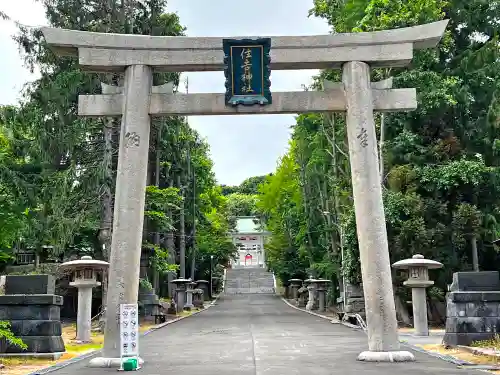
pixel 248 224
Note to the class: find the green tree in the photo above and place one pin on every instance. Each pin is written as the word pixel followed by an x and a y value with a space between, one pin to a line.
pixel 67 164
pixel 242 204
pixel 440 162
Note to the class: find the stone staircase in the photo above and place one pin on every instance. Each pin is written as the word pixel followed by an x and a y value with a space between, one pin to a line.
pixel 249 281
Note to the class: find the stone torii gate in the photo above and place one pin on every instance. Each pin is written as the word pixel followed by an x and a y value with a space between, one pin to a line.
pixel 139 56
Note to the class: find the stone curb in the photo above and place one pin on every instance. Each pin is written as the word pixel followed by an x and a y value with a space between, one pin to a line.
pixel 443 357
pixel 92 353
pixel 332 320
pixel 159 326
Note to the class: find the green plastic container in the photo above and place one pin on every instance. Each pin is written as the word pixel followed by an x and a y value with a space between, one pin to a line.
pixel 130 364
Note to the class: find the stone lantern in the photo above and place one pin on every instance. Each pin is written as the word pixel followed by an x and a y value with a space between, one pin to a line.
pixel 418 279
pixel 84 278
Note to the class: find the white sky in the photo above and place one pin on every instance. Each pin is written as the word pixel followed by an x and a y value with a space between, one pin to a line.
pixel 241 146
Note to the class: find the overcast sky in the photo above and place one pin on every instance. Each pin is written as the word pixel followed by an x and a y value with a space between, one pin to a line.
pixel 241 146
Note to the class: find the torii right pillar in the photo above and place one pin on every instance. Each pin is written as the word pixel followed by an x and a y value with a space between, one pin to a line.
pixel 383 338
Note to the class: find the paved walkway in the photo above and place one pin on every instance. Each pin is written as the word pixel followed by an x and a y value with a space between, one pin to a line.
pixel 257 335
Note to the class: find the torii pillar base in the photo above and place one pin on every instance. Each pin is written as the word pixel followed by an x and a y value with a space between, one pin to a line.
pixel 103 362
pixel 399 356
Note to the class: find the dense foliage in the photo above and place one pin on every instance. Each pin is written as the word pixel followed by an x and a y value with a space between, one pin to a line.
pixel 440 163
pixel 58 170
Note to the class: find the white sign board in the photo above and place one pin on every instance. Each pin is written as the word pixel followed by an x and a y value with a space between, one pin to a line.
pixel 129 331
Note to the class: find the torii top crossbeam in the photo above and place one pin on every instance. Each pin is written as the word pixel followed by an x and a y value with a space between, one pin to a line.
pixel 101 52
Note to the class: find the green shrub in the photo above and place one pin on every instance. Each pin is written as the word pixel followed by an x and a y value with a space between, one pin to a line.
pixel 6 334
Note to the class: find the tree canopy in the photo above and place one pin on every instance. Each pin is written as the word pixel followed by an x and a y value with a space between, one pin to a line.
pixel 58 170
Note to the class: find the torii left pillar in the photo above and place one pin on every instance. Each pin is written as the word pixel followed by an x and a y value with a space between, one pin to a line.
pixel 129 207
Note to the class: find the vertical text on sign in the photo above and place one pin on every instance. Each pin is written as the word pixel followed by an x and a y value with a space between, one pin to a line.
pixel 247 71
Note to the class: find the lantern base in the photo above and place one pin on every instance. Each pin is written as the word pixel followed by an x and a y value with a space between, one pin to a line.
pixel 104 362
pixel 396 356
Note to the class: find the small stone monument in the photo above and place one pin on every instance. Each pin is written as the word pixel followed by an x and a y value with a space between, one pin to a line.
pixel 180 292
pixel 84 276
pixel 204 285
pixel 302 300
pixel 321 289
pixel 418 279
pixel 148 301
pixel 198 298
pixel 295 285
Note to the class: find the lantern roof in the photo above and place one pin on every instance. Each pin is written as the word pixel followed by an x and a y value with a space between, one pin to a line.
pixel 417 260
pixel 85 262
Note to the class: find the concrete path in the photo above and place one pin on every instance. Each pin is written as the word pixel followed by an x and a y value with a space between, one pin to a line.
pixel 260 334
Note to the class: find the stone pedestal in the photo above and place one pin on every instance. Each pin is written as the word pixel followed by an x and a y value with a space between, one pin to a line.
pixel 295 285
pixel 418 279
pixel 180 293
pixel 34 318
pixel 472 308
pixel 189 295
pixel 204 285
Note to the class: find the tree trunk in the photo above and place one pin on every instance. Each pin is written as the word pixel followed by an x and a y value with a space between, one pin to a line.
pixel 156 276
pixel 146 251
pixel 193 255
pixel 105 233
pixel 171 252
pixel 475 255
pixel 306 206
pixel 182 231
pixel 402 310
pixel 381 146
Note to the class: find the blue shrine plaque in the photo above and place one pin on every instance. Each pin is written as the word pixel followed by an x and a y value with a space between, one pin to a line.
pixel 247 71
